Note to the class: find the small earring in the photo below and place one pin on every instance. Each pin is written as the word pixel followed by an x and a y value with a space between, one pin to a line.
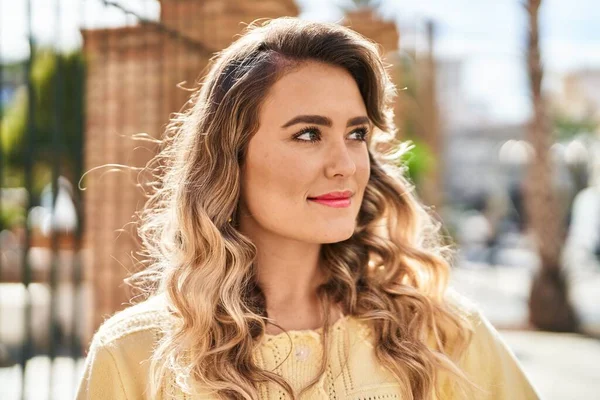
pixel 230 219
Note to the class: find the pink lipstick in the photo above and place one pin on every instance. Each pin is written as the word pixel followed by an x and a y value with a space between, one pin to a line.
pixel 334 199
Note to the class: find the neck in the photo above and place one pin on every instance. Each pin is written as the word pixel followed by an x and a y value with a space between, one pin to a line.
pixel 289 273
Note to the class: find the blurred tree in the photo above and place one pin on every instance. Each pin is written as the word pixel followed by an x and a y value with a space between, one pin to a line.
pixel 58 81
pixel 418 161
pixel 567 127
pixel 417 120
pixel 549 307
pixel 429 118
pixel 11 215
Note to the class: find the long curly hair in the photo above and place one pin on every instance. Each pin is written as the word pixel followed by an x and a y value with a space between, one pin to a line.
pixel 391 274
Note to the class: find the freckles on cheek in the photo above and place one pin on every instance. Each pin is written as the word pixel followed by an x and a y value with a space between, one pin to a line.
pixel 285 176
pixel 270 175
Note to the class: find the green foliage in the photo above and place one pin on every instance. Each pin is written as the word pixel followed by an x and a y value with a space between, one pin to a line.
pixel 58 89
pixel 567 127
pixel 13 127
pixel 419 161
pixel 11 215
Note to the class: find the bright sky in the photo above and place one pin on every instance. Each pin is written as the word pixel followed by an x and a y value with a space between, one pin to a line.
pixel 488 35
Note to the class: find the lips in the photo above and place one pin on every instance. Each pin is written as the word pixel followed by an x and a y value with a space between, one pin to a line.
pixel 346 194
pixel 339 199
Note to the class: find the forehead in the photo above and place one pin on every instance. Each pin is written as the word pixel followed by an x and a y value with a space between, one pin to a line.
pixel 313 88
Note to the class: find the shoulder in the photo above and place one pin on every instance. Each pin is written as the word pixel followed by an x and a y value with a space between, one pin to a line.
pixel 488 361
pixel 131 335
pixel 483 334
pixel 147 318
pixel 464 306
pixel 117 364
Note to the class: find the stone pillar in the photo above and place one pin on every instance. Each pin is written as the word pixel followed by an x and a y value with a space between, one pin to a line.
pixel 385 33
pixel 132 87
pixel 366 22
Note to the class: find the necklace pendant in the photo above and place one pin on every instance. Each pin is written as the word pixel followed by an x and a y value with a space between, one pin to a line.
pixel 302 353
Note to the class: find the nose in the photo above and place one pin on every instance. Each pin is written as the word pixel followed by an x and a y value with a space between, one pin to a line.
pixel 340 161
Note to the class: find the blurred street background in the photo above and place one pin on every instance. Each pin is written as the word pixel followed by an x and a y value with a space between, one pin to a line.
pixel 500 99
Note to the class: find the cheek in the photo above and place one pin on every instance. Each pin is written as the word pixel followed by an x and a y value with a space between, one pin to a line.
pixel 363 171
pixel 275 180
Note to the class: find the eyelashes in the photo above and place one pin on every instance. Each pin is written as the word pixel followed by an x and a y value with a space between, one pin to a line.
pixel 315 134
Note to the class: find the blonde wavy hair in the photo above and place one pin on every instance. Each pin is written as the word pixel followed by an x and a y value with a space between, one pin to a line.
pixel 391 274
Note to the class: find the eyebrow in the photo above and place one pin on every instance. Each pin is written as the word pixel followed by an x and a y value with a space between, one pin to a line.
pixel 322 120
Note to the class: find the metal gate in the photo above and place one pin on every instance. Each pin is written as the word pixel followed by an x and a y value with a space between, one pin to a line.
pixel 52 84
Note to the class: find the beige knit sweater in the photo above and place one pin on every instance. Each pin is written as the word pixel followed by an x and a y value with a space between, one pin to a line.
pixel 117 363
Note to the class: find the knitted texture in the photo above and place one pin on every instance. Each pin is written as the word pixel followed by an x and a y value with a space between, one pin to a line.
pixel 118 361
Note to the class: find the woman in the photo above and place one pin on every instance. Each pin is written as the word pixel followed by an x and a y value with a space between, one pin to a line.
pixel 288 260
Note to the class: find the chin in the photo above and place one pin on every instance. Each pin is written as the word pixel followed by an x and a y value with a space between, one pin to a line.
pixel 339 235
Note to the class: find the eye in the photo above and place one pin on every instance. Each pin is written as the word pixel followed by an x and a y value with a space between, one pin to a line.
pixel 309 134
pixel 360 134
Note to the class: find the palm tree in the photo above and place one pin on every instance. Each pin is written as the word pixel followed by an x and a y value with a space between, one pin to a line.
pixel 549 307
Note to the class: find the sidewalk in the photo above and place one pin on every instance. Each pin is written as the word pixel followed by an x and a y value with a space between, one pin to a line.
pixel 560 366
pixel 503 292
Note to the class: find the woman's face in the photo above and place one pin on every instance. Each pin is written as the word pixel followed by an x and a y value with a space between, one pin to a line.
pixel 307 166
